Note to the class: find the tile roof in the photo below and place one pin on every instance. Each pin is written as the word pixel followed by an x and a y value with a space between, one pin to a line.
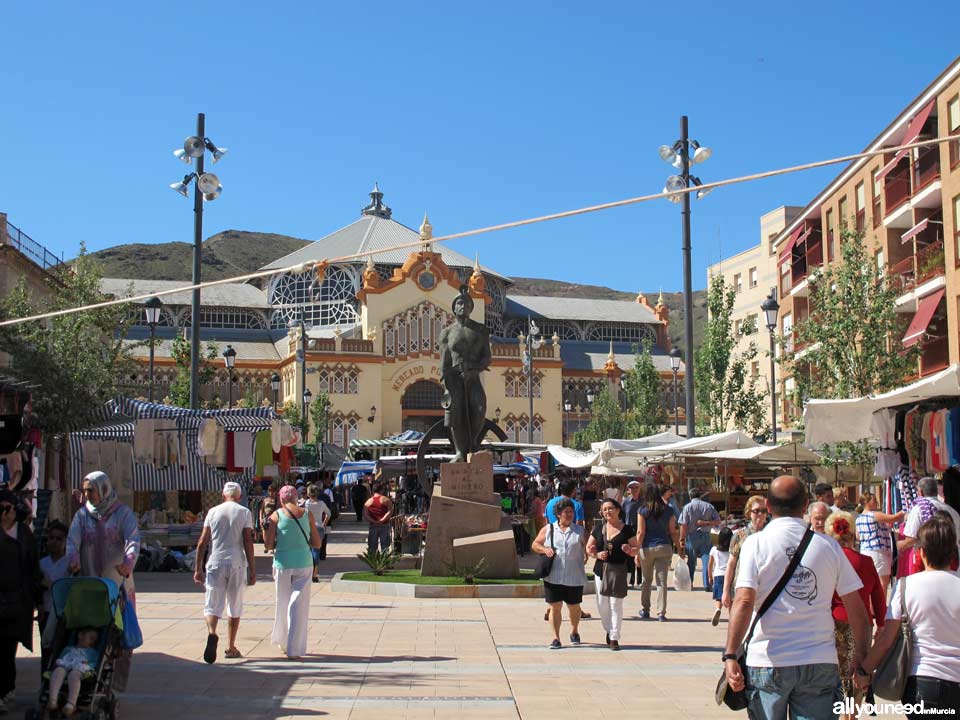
pixel 562 308
pixel 592 355
pixel 250 344
pixel 227 295
pixel 371 233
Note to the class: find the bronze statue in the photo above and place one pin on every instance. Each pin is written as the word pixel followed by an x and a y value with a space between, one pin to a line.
pixel 464 354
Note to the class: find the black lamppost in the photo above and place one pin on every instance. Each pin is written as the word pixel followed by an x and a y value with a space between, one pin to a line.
pixel 152 309
pixel 307 397
pixel 206 187
pixel 771 308
pixel 675 366
pixel 229 360
pixel 679 154
pixel 275 386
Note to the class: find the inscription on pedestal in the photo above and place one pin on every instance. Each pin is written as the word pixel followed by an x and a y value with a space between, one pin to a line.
pixel 471 480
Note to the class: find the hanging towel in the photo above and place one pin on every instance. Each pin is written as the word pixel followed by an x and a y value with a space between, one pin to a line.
pixel 231 453
pixel 207 438
pixel 281 434
pixel 263 450
pixel 243 450
pixel 143 441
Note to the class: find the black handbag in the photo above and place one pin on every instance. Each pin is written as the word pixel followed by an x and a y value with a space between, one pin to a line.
pixel 737 699
pixel 546 563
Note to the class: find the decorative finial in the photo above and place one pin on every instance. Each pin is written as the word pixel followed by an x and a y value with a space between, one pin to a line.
pixel 610 355
pixel 660 296
pixel 376 207
pixel 426 230
pixel 370 265
pixel 476 265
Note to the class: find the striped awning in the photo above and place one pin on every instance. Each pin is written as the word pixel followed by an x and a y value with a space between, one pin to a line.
pixel 915 230
pixel 913 132
pixel 926 308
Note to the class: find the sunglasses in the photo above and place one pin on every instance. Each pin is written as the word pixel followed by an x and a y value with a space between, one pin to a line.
pixel 758 511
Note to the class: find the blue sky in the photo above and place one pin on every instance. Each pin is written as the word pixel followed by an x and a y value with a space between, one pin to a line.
pixel 477 113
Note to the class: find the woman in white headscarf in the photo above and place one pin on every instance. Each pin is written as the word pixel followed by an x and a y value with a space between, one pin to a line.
pixel 104 541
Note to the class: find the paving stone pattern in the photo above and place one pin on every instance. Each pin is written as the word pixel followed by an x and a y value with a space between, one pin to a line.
pixel 395 658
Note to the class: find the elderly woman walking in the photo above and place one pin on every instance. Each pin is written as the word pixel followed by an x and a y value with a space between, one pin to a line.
pixel 19 593
pixel 292 535
pixel 876 536
pixel 104 541
pixel 563 541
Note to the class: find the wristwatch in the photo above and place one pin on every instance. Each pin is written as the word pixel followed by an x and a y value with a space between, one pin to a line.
pixel 729 656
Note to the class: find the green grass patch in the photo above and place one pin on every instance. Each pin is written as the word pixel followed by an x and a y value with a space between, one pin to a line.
pixel 413 577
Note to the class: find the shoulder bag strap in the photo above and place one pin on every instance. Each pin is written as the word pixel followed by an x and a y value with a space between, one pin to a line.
pixel 552 543
pixel 782 583
pixel 904 618
pixel 296 522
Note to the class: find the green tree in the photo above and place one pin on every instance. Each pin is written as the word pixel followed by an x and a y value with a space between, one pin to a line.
pixel 76 362
pixel 181 351
pixel 851 340
pixel 728 394
pixel 641 388
pixel 606 421
pixel 320 415
pixel 291 413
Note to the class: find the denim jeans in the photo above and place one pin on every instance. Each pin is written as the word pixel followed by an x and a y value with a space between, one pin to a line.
pixel 934 692
pixel 802 692
pixel 378 534
pixel 698 546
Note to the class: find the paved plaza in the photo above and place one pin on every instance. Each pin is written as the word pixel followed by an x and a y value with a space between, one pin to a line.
pixel 384 657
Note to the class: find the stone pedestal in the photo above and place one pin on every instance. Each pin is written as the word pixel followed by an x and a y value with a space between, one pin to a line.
pixel 498 551
pixel 464 506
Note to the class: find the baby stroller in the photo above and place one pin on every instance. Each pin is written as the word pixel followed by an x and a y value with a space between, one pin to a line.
pixel 81 602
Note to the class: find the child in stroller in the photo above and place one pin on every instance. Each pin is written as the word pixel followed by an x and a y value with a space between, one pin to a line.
pixel 88 638
pixel 75 663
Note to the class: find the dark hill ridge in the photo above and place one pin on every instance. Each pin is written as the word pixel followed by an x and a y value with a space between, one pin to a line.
pixel 235 252
pixel 232 252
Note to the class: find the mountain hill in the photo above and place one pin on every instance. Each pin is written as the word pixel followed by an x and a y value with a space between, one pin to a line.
pixel 232 252
pixel 235 252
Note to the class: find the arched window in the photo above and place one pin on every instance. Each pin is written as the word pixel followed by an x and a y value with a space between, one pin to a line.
pixel 333 303
pixel 422 395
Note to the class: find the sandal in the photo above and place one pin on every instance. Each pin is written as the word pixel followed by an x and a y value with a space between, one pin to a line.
pixel 232 653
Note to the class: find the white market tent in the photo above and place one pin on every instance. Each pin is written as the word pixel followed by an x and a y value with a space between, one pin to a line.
pixel 730 440
pixel 601 454
pixel 831 421
pixel 789 454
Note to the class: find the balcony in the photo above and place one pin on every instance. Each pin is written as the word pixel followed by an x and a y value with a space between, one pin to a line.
pixel 918 268
pixel 926 168
pixel 934 353
pixel 896 186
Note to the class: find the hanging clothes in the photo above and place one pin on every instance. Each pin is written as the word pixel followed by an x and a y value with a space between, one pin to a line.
pixel 143 441
pixel 263 451
pixel 883 426
pixel 243 449
pixel 907 485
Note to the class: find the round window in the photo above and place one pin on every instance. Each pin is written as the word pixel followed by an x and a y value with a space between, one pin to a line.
pixel 427 280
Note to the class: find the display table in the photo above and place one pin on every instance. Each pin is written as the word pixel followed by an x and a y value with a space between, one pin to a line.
pixel 172 535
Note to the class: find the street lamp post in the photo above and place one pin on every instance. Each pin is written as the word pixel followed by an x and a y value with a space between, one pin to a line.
pixel 534 342
pixel 207 187
pixel 675 366
pixel 229 360
pixel 152 309
pixel 307 397
pixel 679 155
pixel 275 386
pixel 771 308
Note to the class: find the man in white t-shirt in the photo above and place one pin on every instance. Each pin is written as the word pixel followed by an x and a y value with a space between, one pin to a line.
pixel 229 568
pixel 927 487
pixel 792 657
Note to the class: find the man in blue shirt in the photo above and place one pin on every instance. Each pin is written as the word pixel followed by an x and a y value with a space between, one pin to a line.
pixel 696 519
pixel 567 488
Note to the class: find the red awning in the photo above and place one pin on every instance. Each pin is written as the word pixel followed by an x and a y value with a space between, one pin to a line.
pixel 915 230
pixel 913 132
pixel 788 248
pixel 925 310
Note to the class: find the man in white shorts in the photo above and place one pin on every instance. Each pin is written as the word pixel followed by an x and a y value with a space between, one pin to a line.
pixel 228 569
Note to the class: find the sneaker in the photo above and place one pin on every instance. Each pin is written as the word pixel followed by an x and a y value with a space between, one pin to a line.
pixel 585 615
pixel 575 638
pixel 716 617
pixel 644 615
pixel 614 645
pixel 662 618
pixel 555 645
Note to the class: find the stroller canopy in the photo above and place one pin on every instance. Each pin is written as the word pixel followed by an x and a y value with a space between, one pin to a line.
pixel 86 602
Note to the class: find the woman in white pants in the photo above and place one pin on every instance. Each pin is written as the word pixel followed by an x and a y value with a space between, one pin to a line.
pixel 613 544
pixel 292 534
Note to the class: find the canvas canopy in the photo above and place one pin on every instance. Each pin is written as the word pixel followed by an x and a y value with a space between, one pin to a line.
pixel 789 454
pixel 731 440
pixel 831 421
pixel 603 455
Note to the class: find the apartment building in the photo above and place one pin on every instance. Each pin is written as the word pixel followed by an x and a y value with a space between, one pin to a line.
pixel 907 204
pixel 753 274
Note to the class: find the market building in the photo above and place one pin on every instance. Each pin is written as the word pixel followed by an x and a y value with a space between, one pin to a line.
pixel 371 332
pixel 907 205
